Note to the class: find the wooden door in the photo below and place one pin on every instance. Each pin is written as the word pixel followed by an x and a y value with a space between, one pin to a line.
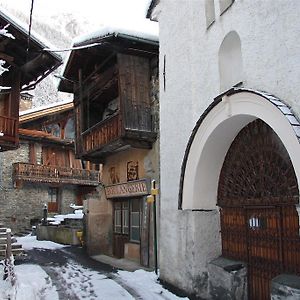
pixel 257 194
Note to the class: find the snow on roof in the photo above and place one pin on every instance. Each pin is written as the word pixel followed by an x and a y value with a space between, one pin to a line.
pixel 43 43
pixel 144 29
pixel 44 107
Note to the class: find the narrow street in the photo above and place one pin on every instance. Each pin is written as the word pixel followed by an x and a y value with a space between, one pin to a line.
pixel 71 274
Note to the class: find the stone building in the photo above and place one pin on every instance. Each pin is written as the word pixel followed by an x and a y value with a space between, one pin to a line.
pixel 115 84
pixel 229 101
pixel 43 170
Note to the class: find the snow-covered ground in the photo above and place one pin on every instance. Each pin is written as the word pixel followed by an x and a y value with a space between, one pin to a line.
pixel 34 282
pixel 30 242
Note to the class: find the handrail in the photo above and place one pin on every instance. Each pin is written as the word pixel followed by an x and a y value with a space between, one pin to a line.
pixel 102 133
pixel 43 173
pixel 8 126
pixel 99 124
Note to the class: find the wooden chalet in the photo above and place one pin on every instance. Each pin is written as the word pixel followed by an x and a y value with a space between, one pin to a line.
pixel 110 78
pixel 27 63
pixel 113 75
pixel 51 160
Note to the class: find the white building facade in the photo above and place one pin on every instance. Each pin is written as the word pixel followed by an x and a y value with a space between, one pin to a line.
pixel 229 70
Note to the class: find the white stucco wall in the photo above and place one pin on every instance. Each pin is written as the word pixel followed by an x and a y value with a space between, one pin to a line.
pixel 269 34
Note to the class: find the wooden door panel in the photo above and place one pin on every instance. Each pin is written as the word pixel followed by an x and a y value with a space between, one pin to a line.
pixel 257 194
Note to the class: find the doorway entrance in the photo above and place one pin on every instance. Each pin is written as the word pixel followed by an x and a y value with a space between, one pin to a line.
pixel 257 194
pixel 127 220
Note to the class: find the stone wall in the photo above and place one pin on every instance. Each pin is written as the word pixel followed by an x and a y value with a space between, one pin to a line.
pixel 19 206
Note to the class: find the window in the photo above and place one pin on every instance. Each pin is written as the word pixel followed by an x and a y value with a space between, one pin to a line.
pixel 135 220
pixel 127 218
pixel 230 61
pixel 224 5
pixel 118 218
pixel 70 129
pixel 53 194
pixel 209 12
pixel 121 217
pixel 54 129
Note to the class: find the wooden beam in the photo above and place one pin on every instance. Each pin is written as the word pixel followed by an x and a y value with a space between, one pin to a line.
pixel 6 57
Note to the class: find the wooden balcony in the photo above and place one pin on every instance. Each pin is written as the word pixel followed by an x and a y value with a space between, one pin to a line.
pixel 110 135
pixel 25 172
pixel 9 138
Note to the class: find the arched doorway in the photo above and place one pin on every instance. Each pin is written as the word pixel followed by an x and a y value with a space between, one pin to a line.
pixel 257 194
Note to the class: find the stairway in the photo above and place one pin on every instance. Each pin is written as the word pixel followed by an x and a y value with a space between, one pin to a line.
pixel 16 249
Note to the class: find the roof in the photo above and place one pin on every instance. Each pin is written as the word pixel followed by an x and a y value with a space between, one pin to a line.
pixel 147 32
pixel 39 112
pixel 99 45
pixel 36 63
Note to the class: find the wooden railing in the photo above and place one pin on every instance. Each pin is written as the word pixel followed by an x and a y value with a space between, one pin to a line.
pixel 8 129
pixel 102 133
pixel 55 174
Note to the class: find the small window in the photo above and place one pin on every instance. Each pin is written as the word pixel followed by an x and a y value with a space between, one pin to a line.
pixel 224 5
pixel 70 129
pixel 121 217
pixel 54 129
pixel 53 199
pixel 210 12
pixel 135 220
pixel 125 218
pixel 118 220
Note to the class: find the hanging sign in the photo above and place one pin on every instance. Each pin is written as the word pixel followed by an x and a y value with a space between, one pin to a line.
pixel 128 189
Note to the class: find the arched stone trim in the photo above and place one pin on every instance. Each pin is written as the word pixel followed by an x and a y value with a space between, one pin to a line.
pixel 214 133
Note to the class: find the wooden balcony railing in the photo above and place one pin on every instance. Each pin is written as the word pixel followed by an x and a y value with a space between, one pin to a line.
pixel 102 133
pixel 8 131
pixel 54 174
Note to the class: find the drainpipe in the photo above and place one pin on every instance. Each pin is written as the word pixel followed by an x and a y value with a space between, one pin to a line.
pixel 152 199
pixel 154 192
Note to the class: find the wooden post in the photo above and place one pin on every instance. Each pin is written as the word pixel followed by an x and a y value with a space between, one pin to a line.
pixel 8 262
pixel 8 243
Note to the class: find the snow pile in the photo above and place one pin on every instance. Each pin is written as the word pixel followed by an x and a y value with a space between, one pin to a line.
pixel 74 206
pixel 146 284
pixel 57 219
pixel 32 283
pixel 29 242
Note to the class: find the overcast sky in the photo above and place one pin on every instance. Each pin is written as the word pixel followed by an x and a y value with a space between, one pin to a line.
pixel 104 11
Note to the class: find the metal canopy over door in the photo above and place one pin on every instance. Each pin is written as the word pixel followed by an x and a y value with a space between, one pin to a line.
pixel 257 194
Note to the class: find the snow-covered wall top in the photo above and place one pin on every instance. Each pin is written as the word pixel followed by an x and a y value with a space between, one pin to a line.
pixel 144 30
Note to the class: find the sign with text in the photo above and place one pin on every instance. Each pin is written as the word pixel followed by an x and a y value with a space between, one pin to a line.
pixel 128 189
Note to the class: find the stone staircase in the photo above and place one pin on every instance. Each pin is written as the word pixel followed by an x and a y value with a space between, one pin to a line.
pixel 16 249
